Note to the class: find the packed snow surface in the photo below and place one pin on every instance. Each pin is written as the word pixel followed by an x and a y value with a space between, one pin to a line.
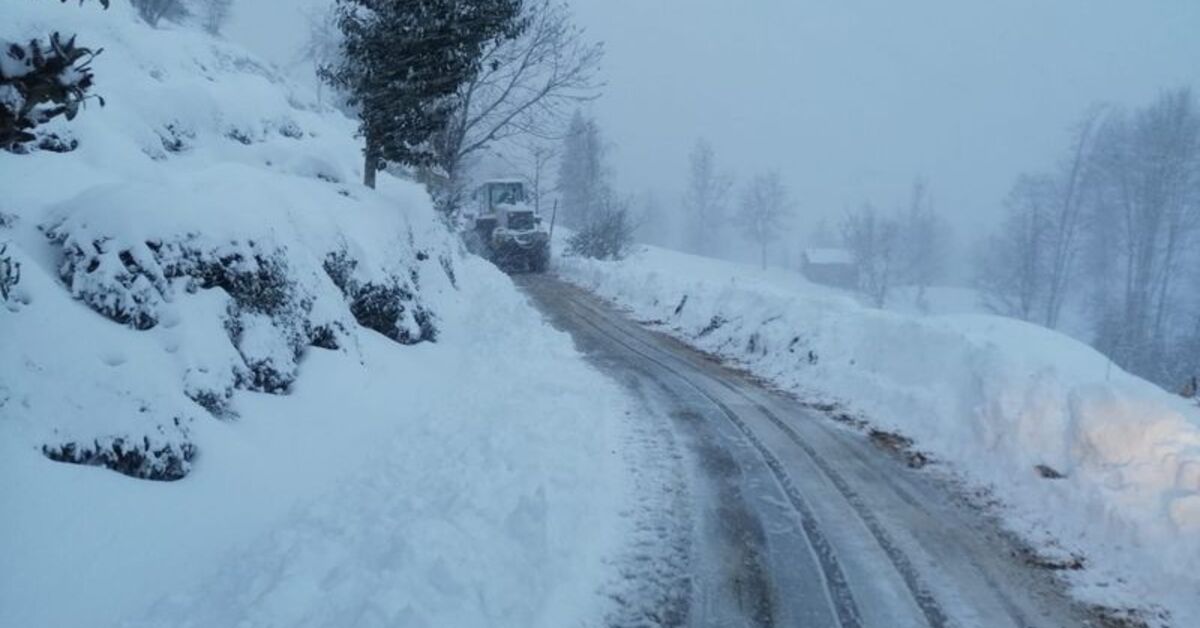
pixel 292 401
pixel 994 398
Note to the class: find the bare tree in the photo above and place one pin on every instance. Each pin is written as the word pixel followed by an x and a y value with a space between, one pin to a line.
pixel 214 14
pixel 324 44
pixel 872 239
pixel 1071 188
pixel 922 242
pixel 1147 169
pixel 1026 270
pixel 765 210
pixel 527 85
pixel 531 158
pixel 155 10
pixel 1011 265
pixel 705 202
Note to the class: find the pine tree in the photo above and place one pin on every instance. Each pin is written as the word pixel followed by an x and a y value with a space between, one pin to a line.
pixel 401 62
pixel 582 181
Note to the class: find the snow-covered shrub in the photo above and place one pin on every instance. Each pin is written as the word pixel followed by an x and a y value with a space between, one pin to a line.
pixel 121 282
pixel 39 82
pixel 10 273
pixel 154 10
pixel 51 141
pixel 267 319
pixel 176 137
pixel 389 307
pixel 607 236
pixel 139 458
pixel 289 128
pixel 270 347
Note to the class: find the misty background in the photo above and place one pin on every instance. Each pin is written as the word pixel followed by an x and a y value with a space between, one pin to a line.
pixel 930 141
pixel 849 101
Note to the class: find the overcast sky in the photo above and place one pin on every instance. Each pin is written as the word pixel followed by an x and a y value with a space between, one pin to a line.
pixel 850 99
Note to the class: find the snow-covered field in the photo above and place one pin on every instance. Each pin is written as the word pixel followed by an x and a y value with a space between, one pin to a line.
pixel 344 421
pixel 990 397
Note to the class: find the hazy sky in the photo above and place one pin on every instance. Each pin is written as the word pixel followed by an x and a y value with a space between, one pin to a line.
pixel 850 99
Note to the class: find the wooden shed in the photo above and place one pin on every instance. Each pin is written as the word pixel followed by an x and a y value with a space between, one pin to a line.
pixel 829 266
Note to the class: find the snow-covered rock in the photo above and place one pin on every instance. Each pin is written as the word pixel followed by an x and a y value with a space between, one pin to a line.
pixel 1088 458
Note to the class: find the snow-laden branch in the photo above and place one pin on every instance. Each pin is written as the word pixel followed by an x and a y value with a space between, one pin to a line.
pixel 39 82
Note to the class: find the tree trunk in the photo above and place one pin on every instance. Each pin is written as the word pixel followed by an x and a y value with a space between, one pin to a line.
pixel 370 164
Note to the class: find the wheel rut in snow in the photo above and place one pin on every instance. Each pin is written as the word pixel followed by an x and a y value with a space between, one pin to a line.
pixel 654 571
pixel 800 523
pixel 837 587
pixel 935 616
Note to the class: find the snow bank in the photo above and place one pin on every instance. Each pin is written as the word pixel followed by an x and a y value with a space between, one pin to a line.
pixel 351 422
pixel 993 397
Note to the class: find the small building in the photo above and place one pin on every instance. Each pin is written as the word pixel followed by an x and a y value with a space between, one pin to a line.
pixel 829 266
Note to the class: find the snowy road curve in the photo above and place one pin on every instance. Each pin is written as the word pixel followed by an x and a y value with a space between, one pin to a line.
pixel 791 519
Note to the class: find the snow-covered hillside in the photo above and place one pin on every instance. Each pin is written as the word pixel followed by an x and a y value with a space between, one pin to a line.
pixel 1002 402
pixel 293 400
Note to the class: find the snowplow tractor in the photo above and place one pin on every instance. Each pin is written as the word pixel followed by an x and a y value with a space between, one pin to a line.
pixel 507 230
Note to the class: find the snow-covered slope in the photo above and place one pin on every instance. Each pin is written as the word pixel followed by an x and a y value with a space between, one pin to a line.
pixel 992 397
pixel 294 401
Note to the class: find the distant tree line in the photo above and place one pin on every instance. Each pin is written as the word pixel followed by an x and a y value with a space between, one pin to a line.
pixel 1115 227
pixel 762 211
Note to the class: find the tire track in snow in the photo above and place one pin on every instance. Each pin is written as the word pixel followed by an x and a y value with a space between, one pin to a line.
pixel 841 597
pixel 934 614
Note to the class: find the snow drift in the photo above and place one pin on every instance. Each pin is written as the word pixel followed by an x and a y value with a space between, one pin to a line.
pixel 1004 402
pixel 291 400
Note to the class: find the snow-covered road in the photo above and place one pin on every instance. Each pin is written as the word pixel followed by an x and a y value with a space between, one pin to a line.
pixel 790 519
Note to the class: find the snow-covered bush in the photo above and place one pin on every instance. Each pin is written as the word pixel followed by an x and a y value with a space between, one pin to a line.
pixel 39 82
pixel 155 10
pixel 388 307
pixel 10 273
pixel 138 458
pixel 608 236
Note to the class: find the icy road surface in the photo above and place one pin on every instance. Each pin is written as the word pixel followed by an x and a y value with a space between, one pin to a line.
pixel 785 518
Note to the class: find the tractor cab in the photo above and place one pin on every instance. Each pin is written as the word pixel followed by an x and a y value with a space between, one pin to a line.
pixel 507 229
pixel 502 204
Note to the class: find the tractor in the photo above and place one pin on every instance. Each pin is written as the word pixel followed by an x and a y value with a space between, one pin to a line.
pixel 506 229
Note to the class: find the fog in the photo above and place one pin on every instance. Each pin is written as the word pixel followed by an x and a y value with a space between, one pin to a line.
pixel 851 100
pixel 1025 123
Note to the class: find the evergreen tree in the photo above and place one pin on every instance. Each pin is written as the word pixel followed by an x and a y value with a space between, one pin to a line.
pixel 582 181
pixel 402 61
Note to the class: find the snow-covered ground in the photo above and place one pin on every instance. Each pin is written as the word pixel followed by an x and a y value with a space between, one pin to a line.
pixel 990 397
pixel 345 421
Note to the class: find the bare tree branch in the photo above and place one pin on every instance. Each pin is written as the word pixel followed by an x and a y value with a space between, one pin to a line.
pixel 527 87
